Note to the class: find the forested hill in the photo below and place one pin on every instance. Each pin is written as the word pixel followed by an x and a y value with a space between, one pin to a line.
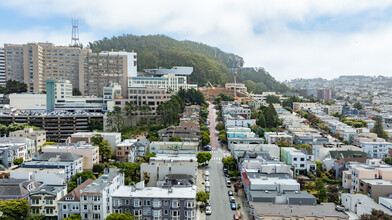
pixel 210 64
pixel 258 81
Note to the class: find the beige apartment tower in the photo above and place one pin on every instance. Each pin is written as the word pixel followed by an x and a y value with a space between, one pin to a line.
pixel 97 70
pixel 34 63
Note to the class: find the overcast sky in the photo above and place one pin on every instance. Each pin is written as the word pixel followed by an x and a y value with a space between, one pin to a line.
pixel 290 39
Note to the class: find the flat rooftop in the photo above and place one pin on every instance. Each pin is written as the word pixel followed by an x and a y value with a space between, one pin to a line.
pixel 377 182
pixel 263 209
pixel 36 170
pixel 156 192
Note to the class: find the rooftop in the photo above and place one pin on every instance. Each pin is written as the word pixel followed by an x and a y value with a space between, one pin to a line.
pixel 320 211
pixel 368 202
pixel 377 182
pixel 55 113
pixel 75 193
pixel 156 192
pixel 102 181
pixel 62 156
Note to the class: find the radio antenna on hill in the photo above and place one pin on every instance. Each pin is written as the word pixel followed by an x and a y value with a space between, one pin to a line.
pixel 75 32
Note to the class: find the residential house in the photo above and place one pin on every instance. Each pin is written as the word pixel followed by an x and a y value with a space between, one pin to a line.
pixel 376 149
pixel 44 200
pixel 46 176
pixel 39 136
pixel 276 137
pixel 17 188
pixel 89 152
pixel 95 199
pixel 361 204
pixel 72 163
pixel 70 203
pixel 166 147
pixel 162 165
pixel 111 137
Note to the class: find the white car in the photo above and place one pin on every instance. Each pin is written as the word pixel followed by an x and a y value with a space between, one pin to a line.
pixel 207 173
pixel 208 210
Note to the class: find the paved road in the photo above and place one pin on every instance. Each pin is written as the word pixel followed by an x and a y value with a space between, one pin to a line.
pixel 220 204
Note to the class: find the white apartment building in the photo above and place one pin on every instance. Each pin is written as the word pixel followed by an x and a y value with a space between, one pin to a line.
pixel 47 176
pixel 155 202
pixel 170 79
pixel 276 137
pixel 376 149
pixel 95 199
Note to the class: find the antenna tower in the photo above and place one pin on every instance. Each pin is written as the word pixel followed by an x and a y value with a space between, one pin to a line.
pixel 75 32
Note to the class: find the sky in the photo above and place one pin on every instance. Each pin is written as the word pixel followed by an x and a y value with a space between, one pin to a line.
pixel 290 39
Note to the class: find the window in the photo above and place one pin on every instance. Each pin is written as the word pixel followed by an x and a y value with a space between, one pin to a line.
pixel 96 198
pixel 35 201
pixel 85 207
pixel 302 159
pixel 49 202
pixel 175 213
pixel 175 204
pixel 49 211
pixel 146 202
pixel 137 203
pixel 166 212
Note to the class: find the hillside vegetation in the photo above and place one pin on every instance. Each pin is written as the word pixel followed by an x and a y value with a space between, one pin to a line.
pixel 161 51
pixel 209 63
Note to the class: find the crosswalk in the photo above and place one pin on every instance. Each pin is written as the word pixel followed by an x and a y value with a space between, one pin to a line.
pixel 217 158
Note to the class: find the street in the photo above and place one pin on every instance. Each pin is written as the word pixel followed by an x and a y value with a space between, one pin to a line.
pixel 220 204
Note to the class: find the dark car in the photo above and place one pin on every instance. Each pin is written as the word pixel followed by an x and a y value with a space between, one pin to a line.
pixel 232 205
pixel 225 171
pixel 230 193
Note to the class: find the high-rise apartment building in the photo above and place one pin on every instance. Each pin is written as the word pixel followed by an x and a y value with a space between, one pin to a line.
pixel 97 70
pixel 2 67
pixel 34 63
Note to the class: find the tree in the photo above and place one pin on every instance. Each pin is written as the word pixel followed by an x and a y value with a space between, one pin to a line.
pixel 104 147
pixel 271 117
pixel 229 162
pixel 115 119
pixel 333 194
pixel 272 99
pixel 121 216
pixel 222 136
pixel 283 144
pixel 95 125
pixel 83 175
pixel 13 86
pixel 37 217
pixel 98 168
pixel 146 177
pixel 14 208
pixel 202 196
pixel 76 92
pixel 358 105
pixel 205 138
pixel 322 191
pixel 260 121
pixel 260 88
pixel 378 129
pixel 73 217
pixel 175 139
pixel 219 126
pixel 18 161
pixel 250 85
pixel 203 157
pixel 388 160
pixel 376 215
pixel 130 171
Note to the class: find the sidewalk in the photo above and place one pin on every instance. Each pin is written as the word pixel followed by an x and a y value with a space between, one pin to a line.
pixel 244 211
pixel 200 187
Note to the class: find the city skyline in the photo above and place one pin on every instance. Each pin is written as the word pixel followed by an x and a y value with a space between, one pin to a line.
pixel 290 40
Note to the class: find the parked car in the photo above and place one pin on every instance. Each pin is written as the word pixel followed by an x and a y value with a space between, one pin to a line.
pixel 206 163
pixel 208 202
pixel 233 206
pixel 225 171
pixel 207 173
pixel 208 210
pixel 236 217
pixel 231 199
pixel 207 178
pixel 230 193
pixel 207 189
pixel 228 183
